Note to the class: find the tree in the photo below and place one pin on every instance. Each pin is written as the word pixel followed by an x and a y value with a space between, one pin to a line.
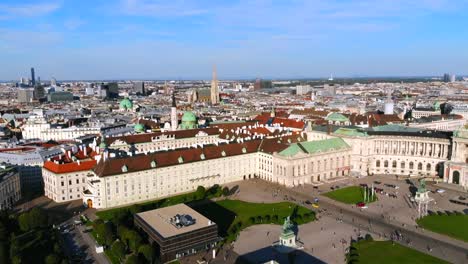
pixel 52 259
pixel 200 193
pixel 38 218
pixel 118 249
pixel 259 219
pixel 252 220
pixel 3 251
pixel 134 240
pixel 132 259
pixel 147 251
pixel 23 222
pixel 225 191
pixel 105 234
pixel 275 218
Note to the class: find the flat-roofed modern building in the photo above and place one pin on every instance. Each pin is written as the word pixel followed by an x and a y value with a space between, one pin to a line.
pixel 178 231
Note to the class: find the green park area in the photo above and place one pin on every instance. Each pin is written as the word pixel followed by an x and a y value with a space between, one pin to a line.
pixel 453 225
pixel 115 227
pixel 369 251
pixel 349 195
pixel 232 216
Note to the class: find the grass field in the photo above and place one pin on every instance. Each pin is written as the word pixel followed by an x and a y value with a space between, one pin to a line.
pixel 455 226
pixel 384 252
pixel 232 215
pixel 348 195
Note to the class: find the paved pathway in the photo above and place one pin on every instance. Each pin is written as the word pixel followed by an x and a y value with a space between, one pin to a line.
pixel 441 246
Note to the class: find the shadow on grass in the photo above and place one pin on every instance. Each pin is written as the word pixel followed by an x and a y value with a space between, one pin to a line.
pixel 216 213
pixel 266 254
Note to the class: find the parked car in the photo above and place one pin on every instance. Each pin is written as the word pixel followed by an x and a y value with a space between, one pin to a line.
pixel 377 182
pixel 315 205
pixel 308 202
pixel 440 190
pixel 361 205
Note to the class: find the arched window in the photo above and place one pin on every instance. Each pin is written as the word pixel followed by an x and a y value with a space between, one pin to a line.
pixel 411 165
pixel 402 165
pixel 394 164
pixel 386 164
pixel 428 167
pixel 419 166
pixel 377 163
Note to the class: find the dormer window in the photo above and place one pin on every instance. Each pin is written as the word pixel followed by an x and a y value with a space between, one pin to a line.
pixel 153 164
pixel 202 156
pixel 244 150
pixel 181 160
pixel 124 168
pixel 223 153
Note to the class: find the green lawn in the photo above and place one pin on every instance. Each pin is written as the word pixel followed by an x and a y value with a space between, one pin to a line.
pixel 451 225
pixel 348 195
pixel 232 216
pixel 384 252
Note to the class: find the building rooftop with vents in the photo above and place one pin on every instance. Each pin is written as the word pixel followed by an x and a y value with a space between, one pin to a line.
pixel 175 240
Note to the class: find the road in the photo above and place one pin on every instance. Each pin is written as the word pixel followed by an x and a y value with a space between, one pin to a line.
pixel 443 247
pixel 80 246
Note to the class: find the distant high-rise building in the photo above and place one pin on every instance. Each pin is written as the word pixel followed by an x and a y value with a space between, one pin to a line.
pixel 39 92
pixel 23 81
pixel 449 77
pixel 173 113
pixel 109 90
pixel 214 88
pixel 33 78
pixel 139 88
pixel 388 107
pixel 25 95
pixel 53 82
pixel 258 84
pixel 452 77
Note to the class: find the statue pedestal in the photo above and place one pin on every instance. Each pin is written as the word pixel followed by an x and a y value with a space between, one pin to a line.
pixel 287 240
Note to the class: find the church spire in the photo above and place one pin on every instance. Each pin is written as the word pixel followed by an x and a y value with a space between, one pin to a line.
pixel 214 88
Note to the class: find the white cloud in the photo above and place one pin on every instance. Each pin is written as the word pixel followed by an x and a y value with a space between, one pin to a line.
pixel 28 10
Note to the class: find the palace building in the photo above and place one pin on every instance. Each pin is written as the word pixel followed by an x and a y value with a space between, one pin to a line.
pixel 130 169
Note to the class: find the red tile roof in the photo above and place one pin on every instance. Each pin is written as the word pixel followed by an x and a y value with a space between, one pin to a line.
pixel 69 167
pixel 146 137
pixel 113 166
pixel 140 162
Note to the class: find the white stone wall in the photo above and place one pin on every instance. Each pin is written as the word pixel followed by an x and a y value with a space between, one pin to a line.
pixel 66 186
pixel 134 187
pixel 310 168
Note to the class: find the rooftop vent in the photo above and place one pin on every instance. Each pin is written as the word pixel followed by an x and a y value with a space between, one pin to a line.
pixel 180 221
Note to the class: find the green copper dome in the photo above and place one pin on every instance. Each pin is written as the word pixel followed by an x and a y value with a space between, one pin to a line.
pixel 126 104
pixel 189 117
pixel 336 117
pixel 436 105
pixel 189 120
pixel 139 128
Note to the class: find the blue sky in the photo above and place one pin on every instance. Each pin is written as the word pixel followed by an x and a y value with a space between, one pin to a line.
pixel 177 39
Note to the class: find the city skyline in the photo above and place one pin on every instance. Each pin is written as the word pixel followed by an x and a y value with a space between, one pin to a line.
pixel 182 40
